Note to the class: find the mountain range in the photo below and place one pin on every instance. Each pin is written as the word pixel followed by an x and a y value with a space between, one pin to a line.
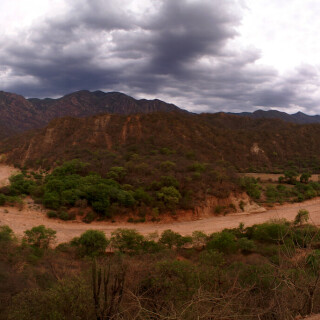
pixel 90 125
pixel 299 117
pixel 18 114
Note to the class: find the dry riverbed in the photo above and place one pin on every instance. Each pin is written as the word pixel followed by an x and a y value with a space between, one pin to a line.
pixel 33 215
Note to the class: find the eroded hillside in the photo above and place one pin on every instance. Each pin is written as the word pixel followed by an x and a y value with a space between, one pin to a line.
pixel 246 144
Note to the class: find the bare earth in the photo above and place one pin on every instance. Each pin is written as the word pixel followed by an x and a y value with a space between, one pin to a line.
pixel 33 215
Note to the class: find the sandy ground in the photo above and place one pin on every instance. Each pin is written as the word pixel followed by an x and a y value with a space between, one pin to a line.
pixel 27 218
pixel 33 215
pixel 5 173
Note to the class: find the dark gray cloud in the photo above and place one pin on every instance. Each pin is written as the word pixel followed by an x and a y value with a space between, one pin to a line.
pixel 182 51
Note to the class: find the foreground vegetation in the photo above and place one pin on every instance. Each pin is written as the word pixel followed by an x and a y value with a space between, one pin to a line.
pixel 267 271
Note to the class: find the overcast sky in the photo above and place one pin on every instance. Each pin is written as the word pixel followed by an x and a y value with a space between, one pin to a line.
pixel 203 55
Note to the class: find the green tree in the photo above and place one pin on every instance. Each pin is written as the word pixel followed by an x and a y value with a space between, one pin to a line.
pixel 39 236
pixel 173 239
pixel 6 234
pixel 305 176
pixel 170 196
pixel 92 243
pixel 301 217
pixel 127 240
pixel 224 242
pixel 291 176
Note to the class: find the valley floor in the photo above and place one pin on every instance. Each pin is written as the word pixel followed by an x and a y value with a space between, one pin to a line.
pixel 33 215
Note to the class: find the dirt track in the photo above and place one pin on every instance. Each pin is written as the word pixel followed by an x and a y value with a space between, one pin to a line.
pixel 19 221
pixel 32 216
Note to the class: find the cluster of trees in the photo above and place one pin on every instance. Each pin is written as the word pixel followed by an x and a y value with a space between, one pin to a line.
pixel 71 185
pixel 288 189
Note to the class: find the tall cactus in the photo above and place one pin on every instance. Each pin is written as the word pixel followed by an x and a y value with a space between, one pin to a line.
pixel 107 293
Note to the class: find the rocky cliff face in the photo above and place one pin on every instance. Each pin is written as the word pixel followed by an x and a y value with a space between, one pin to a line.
pixel 18 114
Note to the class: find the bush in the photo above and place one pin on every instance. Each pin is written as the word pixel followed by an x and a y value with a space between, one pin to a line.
pixel 167 165
pixel 172 239
pixel 251 186
pixel 64 215
pixel 2 199
pixel 199 238
pixel 305 176
pixel 39 236
pixel 52 214
pixel 127 240
pixel 89 217
pixel 246 245
pixel 169 181
pixel 301 217
pixel 170 196
pixel 51 200
pixel 6 234
pixel 19 185
pixel 117 173
pixel 273 232
pixel 197 167
pixel 224 242
pixel 92 243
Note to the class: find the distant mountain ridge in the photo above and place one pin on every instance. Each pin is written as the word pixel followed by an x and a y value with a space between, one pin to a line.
pixel 299 117
pixel 18 114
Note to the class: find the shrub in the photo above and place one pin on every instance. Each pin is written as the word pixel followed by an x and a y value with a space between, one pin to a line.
pixel 142 196
pixel 127 240
pixel 305 176
pixel 69 168
pixel 20 185
pixel 218 209
pixel 246 245
pixel 274 231
pixel 116 173
pixel 169 181
pixel 290 176
pixel 251 186
pixel 52 214
pixel 6 234
pixel 101 206
pixel 39 236
pixel 166 151
pixel 172 239
pixel 170 196
pixel 301 217
pixel 199 238
pixel 167 165
pixel 51 200
pixel 90 216
pixel 212 258
pixel 64 215
pixel 2 199
pixel 92 243
pixel 197 167
pixel 224 242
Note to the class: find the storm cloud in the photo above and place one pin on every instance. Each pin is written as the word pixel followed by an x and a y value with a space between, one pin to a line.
pixel 182 51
